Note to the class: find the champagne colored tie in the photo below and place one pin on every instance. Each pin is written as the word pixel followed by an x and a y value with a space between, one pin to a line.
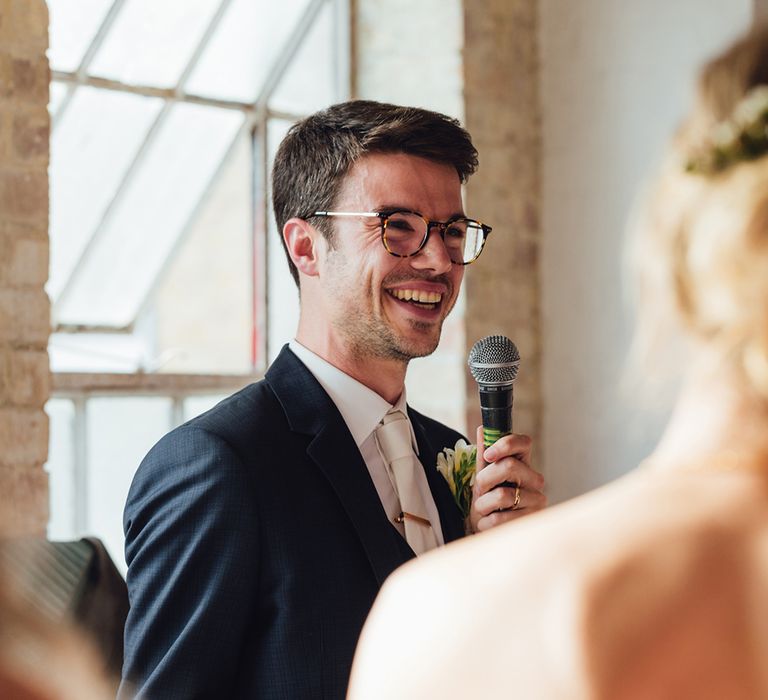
pixel 394 439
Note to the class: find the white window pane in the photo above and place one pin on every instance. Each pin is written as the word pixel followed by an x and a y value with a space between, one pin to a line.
pixel 200 316
pixel 91 149
pixel 74 24
pixel 309 83
pixel 57 92
pixel 195 405
pixel 151 41
pixel 130 250
pixel 61 471
pixel 99 352
pixel 120 432
pixel 243 49
pixel 283 309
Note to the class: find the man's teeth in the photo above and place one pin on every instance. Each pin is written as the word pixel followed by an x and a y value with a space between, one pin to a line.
pixel 417 295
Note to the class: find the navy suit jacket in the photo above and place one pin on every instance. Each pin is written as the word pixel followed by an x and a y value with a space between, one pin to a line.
pixel 256 543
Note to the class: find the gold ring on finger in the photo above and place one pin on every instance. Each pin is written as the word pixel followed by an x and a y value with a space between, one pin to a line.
pixel 516 504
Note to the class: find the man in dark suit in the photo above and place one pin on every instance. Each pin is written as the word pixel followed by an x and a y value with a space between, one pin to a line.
pixel 258 534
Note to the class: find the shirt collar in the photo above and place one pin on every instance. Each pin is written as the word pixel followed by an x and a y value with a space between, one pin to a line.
pixel 361 408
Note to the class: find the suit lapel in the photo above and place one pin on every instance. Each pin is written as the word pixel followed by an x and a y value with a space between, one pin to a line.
pixel 310 411
pixel 336 454
pixel 450 515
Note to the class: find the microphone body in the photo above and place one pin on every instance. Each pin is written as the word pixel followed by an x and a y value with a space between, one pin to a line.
pixel 496 411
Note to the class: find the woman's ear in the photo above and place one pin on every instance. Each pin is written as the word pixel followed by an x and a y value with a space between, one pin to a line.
pixel 301 240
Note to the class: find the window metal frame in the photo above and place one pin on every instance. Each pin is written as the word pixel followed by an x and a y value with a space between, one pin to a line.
pixel 79 387
pixel 257 117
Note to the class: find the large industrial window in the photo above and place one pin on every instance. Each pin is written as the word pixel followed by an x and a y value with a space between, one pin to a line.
pixel 167 281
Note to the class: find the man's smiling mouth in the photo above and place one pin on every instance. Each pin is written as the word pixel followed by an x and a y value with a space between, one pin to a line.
pixel 417 297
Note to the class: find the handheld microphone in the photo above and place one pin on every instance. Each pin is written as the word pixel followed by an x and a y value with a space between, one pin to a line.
pixel 493 362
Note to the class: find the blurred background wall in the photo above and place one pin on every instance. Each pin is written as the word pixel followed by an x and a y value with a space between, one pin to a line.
pixel 615 79
pixel 569 104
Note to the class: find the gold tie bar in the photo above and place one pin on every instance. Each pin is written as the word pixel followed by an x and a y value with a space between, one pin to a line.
pixel 400 518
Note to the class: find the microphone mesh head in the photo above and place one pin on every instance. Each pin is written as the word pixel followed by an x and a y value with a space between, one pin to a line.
pixel 494 361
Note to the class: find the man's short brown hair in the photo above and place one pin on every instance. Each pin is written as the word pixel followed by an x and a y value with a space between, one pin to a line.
pixel 319 151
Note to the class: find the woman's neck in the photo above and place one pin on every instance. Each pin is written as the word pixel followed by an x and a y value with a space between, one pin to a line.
pixel 713 415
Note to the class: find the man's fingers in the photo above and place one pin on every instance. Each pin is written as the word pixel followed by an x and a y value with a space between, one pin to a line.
pixel 509 469
pixel 480 464
pixel 501 517
pixel 514 444
pixel 504 497
pixel 530 502
pixel 507 461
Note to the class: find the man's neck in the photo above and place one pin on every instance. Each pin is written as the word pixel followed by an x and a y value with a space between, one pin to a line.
pixel 384 376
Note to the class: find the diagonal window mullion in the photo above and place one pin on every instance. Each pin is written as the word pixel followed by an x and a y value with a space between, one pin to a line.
pixel 182 235
pixel 278 68
pixel 81 77
pixel 202 45
pixel 257 115
pixel 342 38
pixel 128 176
pixel 287 52
pixel 141 153
pixel 85 62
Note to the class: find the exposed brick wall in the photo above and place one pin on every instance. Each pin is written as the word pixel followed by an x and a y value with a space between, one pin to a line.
pixel 24 306
pixel 501 90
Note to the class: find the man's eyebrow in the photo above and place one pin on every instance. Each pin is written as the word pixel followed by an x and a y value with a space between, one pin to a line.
pixel 388 208
pixel 385 208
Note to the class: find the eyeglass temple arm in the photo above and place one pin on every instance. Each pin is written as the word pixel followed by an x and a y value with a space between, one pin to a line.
pixel 349 213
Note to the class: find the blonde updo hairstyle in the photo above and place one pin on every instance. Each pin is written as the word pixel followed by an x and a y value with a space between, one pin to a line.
pixel 702 248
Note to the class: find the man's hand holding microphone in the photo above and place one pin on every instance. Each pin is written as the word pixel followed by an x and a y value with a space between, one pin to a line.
pixel 506 487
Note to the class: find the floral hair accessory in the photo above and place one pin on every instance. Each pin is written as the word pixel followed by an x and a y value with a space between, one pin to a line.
pixel 458 468
pixel 742 137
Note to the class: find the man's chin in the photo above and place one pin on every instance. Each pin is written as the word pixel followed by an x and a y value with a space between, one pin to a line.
pixel 425 342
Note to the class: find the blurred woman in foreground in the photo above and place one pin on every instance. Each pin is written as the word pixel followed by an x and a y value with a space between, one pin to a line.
pixel 39 661
pixel 40 658
pixel 653 586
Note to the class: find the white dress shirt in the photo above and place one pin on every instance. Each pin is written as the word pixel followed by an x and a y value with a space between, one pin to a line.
pixel 362 410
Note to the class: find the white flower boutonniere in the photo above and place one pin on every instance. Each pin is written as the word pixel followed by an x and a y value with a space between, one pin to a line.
pixel 458 468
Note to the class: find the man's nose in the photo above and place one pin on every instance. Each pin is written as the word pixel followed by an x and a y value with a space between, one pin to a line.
pixel 434 254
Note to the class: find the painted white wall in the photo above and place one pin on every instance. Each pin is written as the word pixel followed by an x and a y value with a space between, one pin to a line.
pixel 616 78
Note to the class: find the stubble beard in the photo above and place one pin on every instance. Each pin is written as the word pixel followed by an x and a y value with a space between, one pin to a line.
pixel 373 339
pixel 369 336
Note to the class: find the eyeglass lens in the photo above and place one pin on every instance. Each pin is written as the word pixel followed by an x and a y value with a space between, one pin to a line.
pixel 404 234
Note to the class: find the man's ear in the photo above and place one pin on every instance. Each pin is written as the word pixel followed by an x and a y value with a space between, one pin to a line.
pixel 301 239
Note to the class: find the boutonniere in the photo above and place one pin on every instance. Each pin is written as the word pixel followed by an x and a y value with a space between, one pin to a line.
pixel 457 466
